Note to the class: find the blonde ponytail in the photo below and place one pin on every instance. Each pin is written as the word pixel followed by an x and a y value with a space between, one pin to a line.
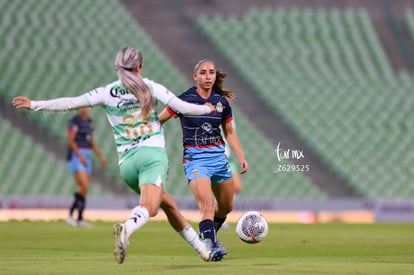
pixel 126 62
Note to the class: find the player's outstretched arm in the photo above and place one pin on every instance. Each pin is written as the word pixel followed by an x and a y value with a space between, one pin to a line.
pixel 60 104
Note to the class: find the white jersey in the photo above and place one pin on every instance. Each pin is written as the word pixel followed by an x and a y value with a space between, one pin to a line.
pixel 124 113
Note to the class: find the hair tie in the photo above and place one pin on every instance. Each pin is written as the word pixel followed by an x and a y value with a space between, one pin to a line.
pixel 123 67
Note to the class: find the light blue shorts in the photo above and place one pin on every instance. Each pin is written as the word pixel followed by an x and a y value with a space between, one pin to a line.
pixel 234 167
pixel 75 165
pixel 216 168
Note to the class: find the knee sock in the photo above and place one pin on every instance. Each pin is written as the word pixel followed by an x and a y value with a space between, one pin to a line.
pixel 218 222
pixel 207 231
pixel 81 207
pixel 191 237
pixel 139 216
pixel 74 206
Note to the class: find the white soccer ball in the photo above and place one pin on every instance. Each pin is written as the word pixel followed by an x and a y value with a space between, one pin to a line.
pixel 252 227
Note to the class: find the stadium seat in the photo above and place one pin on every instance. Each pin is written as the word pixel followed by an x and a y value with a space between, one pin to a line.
pixel 28 169
pixel 325 72
pixel 66 54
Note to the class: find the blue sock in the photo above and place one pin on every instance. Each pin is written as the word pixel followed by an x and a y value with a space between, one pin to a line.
pixel 207 231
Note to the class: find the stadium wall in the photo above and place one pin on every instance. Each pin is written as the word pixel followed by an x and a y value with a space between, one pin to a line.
pixel 118 208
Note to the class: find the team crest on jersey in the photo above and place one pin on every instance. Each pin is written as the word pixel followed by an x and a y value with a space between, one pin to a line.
pixel 219 107
pixel 195 172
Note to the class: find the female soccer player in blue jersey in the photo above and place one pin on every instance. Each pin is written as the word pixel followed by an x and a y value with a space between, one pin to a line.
pixel 205 163
pixel 79 160
pixel 130 107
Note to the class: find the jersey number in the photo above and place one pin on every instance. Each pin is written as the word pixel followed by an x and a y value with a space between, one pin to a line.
pixel 133 132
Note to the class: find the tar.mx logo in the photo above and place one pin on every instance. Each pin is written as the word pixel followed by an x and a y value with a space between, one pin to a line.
pixel 289 155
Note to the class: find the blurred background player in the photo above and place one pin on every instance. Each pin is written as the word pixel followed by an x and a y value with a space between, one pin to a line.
pixel 205 164
pixel 79 160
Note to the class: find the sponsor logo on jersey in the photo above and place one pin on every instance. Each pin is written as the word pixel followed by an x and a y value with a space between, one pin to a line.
pixel 207 127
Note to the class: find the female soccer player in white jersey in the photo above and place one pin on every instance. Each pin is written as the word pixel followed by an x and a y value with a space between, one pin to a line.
pixel 205 164
pixel 130 107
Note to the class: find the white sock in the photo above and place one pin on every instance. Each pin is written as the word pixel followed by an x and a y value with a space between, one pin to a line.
pixel 189 234
pixel 139 216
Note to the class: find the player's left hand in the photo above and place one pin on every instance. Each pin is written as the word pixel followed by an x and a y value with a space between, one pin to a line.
pixel 104 163
pixel 244 165
pixel 21 102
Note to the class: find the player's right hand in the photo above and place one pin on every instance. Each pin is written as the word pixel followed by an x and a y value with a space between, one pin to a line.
pixel 83 159
pixel 244 165
pixel 21 102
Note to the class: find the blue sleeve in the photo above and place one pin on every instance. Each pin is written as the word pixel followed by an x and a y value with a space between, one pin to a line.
pixel 227 115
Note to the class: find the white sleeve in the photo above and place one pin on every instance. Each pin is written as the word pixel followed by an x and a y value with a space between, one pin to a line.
pixel 60 104
pixel 186 108
pixel 178 105
pixel 98 96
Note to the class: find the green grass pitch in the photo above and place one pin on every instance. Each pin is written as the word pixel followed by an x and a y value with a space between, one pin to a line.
pixel 55 248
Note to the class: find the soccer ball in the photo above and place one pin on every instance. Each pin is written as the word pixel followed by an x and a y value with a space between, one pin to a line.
pixel 252 227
